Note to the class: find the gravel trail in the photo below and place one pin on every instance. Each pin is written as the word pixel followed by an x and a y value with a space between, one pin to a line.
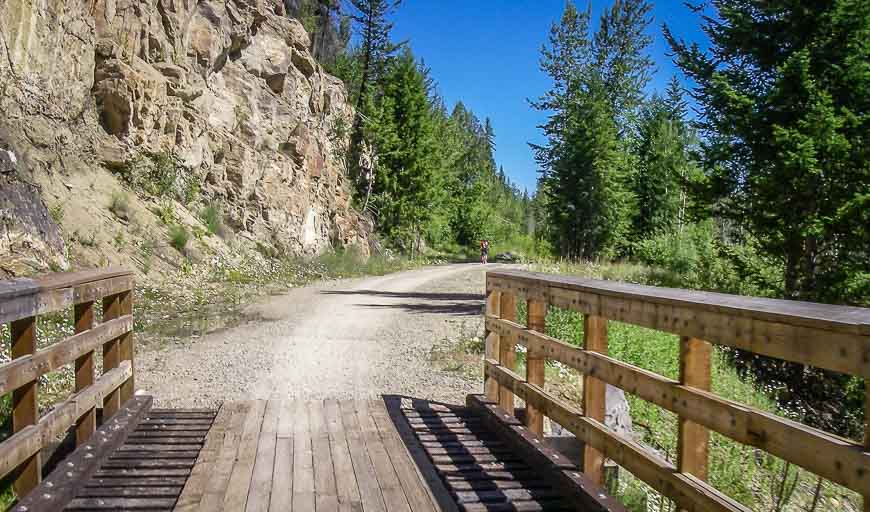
pixel 357 338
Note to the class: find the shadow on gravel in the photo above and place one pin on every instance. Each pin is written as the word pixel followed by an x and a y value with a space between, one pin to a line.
pixel 463 304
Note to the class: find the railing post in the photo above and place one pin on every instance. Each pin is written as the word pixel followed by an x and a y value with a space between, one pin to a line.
pixel 594 393
pixel 507 349
pixel 25 410
pixel 84 366
pixel 536 321
pixel 867 434
pixel 111 356
pixel 126 347
pixel 693 440
pixel 492 345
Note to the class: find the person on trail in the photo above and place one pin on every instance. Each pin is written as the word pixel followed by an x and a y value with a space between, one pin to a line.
pixel 484 251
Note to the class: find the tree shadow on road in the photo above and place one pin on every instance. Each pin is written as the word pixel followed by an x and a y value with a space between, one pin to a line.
pixel 464 304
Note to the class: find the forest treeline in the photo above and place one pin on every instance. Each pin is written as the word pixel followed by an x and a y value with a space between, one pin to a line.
pixel 755 181
pixel 424 171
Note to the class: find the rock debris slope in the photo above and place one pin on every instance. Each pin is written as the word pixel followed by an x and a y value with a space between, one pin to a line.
pixel 228 88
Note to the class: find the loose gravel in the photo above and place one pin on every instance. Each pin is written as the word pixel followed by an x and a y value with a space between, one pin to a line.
pixel 358 338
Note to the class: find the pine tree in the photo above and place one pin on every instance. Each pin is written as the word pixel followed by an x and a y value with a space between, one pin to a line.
pixel 372 21
pixel 784 93
pixel 403 133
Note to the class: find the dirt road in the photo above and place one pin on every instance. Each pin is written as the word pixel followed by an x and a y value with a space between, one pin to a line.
pixel 346 339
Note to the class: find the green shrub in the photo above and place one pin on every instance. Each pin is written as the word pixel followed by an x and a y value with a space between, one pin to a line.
pixel 213 218
pixel 178 237
pixel 161 175
pixel 120 205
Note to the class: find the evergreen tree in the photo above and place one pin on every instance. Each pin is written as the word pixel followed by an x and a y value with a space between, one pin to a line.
pixel 403 133
pixel 784 94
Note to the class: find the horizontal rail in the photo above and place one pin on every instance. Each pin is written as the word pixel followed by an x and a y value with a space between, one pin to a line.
pixel 18 372
pixel 832 337
pixel 23 298
pixel 824 454
pixel 25 443
pixel 688 492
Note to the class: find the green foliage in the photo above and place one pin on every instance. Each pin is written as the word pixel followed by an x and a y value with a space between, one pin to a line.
pixel 213 218
pixel 783 94
pixel 178 237
pixel 586 163
pixel 161 175
pixel 120 205
pixel 56 213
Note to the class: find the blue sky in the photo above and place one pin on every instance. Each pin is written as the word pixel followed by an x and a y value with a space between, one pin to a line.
pixel 486 52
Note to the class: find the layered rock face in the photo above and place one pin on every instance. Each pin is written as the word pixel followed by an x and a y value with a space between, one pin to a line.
pixel 227 86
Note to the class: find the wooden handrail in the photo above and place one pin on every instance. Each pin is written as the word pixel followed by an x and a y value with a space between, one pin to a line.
pixel 820 335
pixel 22 301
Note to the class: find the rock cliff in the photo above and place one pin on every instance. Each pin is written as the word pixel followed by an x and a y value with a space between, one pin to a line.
pixel 218 100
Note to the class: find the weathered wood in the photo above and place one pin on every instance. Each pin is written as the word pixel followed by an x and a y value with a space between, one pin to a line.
pixel 410 479
pixel 259 493
pixel 831 337
pixel 391 489
pixel 370 493
pixel 221 470
pixel 195 485
pixel 83 316
pixel 346 487
pixel 687 491
pixel 126 348
pixel 594 393
pixel 25 411
pixel 827 455
pixel 693 440
pixel 61 486
pixel 303 460
pixel 507 347
pixel 27 368
pixel 111 355
pixel 23 298
pixel 536 314
pixel 240 478
pixel 491 341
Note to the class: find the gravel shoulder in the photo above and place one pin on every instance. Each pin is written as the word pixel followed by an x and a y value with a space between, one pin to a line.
pixel 357 338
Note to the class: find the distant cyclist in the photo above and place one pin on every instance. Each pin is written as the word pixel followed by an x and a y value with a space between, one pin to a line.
pixel 484 251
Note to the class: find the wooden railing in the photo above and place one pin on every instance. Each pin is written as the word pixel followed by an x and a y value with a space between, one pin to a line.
pixel 22 301
pixel 829 337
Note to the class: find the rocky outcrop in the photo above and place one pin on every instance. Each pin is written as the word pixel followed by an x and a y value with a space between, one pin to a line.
pixel 226 86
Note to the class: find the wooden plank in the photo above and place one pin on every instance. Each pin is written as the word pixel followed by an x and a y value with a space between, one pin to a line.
pixel 195 486
pixel 410 479
pixel 686 490
pixel 369 489
pixel 536 318
pixel 282 475
pixel 25 411
pixel 83 316
pixel 325 489
pixel 61 486
pixel 693 440
pixel 27 442
pixel 126 349
pixel 835 345
pixel 345 480
pixel 388 480
pixel 120 503
pixel 303 460
pixel 594 393
pixel 831 317
pixel 507 347
pixel 491 341
pixel 260 491
pixel 29 367
pixel 219 477
pixel 111 355
pixel 837 459
pixel 240 479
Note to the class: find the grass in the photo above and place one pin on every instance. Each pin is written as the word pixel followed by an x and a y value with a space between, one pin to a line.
pixel 752 477
pixel 120 205
pixel 178 237
pixel 213 218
